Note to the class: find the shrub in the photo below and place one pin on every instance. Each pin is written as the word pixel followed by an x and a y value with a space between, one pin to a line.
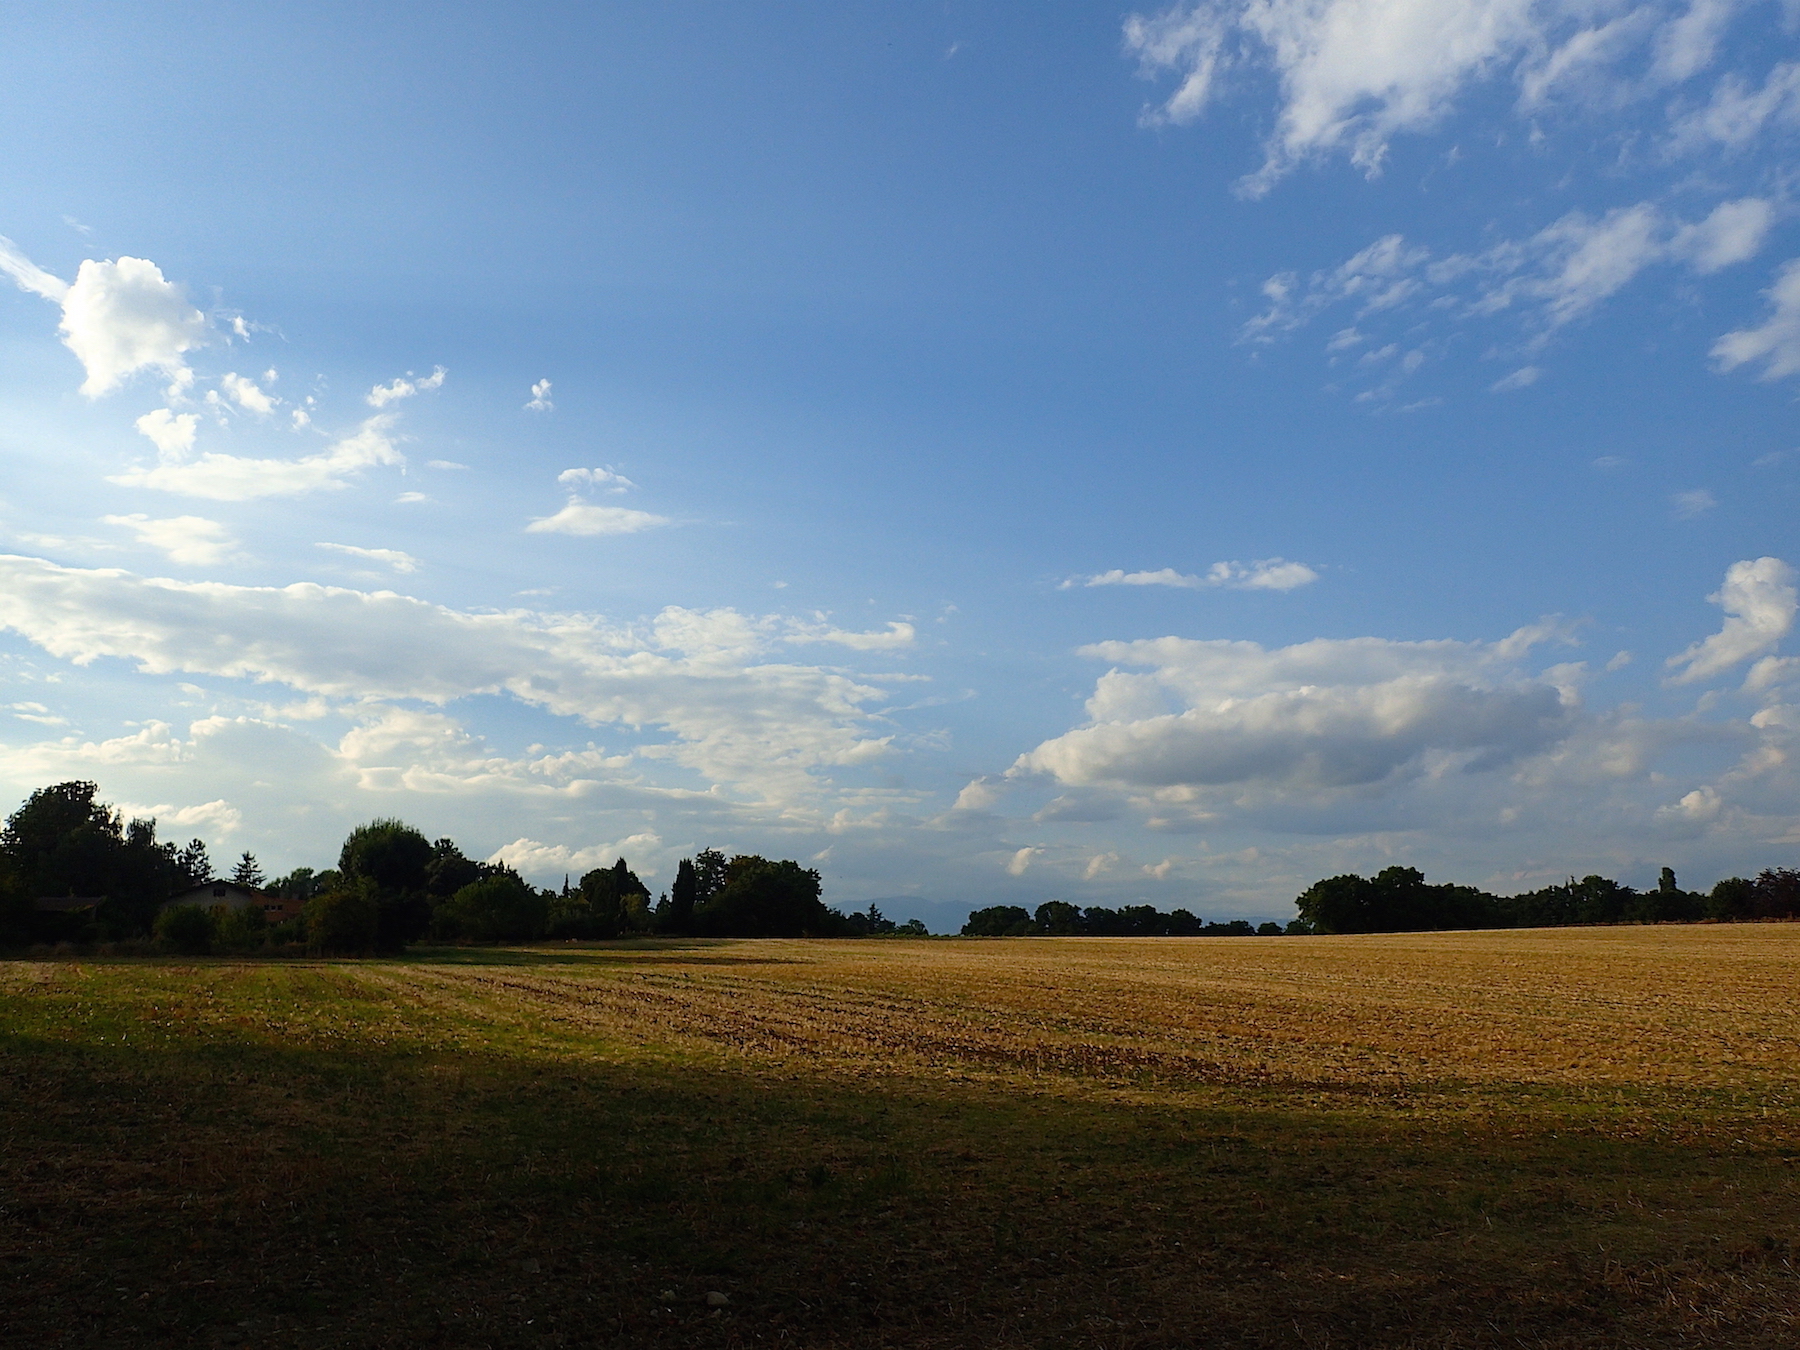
pixel 343 921
pixel 186 929
pixel 499 908
pixel 243 929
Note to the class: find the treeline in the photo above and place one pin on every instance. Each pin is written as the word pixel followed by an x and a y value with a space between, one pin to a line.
pixel 1400 900
pixel 1059 918
pixel 62 842
pixel 391 887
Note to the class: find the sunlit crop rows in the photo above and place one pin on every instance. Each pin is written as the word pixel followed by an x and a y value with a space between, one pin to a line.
pixel 1689 1006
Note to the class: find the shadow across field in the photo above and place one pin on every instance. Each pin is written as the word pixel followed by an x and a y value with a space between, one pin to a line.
pixel 637 952
pixel 219 1187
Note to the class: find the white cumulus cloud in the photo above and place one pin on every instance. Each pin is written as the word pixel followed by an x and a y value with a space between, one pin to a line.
pixel 172 433
pixel 532 858
pixel 383 394
pixel 1759 600
pixel 582 517
pixel 246 393
pixel 540 398
pixel 119 317
pixel 1562 274
pixel 1737 114
pixel 711 684
pixel 1733 233
pixel 1194 716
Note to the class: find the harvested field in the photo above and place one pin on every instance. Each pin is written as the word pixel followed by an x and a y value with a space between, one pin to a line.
pixel 1556 1138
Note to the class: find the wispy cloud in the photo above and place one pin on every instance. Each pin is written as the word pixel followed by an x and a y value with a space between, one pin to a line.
pixel 600 478
pixel 584 518
pixel 581 517
pixel 1693 502
pixel 1561 275
pixel 388 557
pixel 1775 343
pixel 193 540
pixel 1353 75
pixel 233 478
pixel 1265 574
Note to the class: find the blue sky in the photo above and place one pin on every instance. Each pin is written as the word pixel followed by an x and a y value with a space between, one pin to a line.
pixel 1123 456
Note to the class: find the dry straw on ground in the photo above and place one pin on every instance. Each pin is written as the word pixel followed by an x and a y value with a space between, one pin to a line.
pixel 1570 1138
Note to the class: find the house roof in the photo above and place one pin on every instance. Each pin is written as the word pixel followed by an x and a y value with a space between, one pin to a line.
pixel 66 904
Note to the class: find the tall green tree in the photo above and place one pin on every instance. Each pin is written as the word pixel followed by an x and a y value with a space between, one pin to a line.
pixel 766 899
pixel 684 895
pixel 449 871
pixel 248 872
pixel 62 841
pixel 193 864
pixel 394 859
pixel 711 871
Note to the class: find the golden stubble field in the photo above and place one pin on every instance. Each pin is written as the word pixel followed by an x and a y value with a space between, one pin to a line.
pixel 1703 1007
pixel 1564 1138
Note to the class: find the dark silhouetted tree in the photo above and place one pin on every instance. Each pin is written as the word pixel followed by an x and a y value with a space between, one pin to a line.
pixel 684 896
pixel 998 921
pixel 395 859
pixel 345 920
pixel 766 899
pixel 500 907
pixel 62 842
pixel 710 869
pixel 1777 893
pixel 447 871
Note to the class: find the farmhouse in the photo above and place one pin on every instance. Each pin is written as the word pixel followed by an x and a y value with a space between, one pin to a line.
pixel 234 896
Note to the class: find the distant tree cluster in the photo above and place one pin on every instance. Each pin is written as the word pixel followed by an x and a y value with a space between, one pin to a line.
pixel 62 842
pixel 1059 918
pixel 1400 900
pixel 750 896
pixel 391 887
